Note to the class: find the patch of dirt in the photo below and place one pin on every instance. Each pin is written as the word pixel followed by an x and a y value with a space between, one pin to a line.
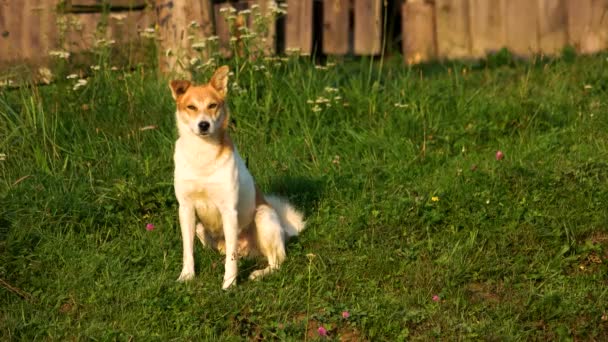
pixel 484 292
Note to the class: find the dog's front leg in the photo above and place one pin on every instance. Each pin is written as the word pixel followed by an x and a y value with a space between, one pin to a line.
pixel 187 222
pixel 231 231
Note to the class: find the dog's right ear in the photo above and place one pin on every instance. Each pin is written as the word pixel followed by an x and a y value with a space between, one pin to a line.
pixel 179 87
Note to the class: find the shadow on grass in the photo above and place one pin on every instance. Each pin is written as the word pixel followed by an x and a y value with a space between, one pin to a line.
pixel 303 192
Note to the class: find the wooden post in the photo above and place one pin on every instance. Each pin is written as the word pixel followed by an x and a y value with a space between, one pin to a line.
pixel 368 27
pixel 335 26
pixel 588 24
pixel 453 33
pixel 522 21
pixel 181 23
pixel 298 26
pixel 418 30
pixel 488 26
pixel 552 26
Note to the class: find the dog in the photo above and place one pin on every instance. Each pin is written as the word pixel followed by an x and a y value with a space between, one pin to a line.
pixel 217 196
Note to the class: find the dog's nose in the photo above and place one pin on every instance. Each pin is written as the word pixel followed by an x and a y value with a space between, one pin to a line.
pixel 204 126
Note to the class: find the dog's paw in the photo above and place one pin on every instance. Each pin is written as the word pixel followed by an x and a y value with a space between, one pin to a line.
pixel 228 283
pixel 185 276
pixel 256 275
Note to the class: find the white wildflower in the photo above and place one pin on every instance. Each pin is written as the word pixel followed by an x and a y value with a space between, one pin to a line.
pixel 71 76
pixel 59 54
pixel 45 74
pixel 118 16
pixel 80 83
pixel 2 156
pixel 198 45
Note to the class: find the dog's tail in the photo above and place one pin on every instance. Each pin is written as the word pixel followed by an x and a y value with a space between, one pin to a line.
pixel 292 220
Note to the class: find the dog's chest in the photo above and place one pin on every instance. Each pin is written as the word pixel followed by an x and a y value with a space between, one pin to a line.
pixel 208 214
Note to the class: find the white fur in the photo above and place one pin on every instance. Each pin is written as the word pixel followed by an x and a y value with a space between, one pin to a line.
pixel 217 203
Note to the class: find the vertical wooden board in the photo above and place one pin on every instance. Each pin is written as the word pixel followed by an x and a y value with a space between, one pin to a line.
pixel 31 30
pixel 522 27
pixel 488 26
pixel 453 36
pixel 17 34
pixel 588 24
pixel 298 26
pixel 335 26
pixel 222 29
pixel 579 21
pixel 418 31
pixel 552 26
pixel 5 34
pixel 368 27
pixel 28 30
pixel 599 22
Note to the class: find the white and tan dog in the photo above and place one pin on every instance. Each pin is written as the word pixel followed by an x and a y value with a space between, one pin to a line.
pixel 217 196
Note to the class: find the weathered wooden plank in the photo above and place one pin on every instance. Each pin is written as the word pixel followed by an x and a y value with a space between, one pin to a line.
pixel 453 37
pixel 418 31
pixel 28 30
pixel 488 26
pixel 181 23
pixel 298 26
pixel 522 21
pixel 368 26
pixel 335 26
pixel 7 50
pixel 552 26
pixel 588 24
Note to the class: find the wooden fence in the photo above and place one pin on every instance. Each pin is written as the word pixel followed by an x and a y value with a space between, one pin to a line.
pixel 32 29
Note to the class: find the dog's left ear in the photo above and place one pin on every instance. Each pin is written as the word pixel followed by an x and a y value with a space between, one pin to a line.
pixel 179 87
pixel 219 80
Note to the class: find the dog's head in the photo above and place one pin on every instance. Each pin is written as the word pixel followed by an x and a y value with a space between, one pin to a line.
pixel 202 107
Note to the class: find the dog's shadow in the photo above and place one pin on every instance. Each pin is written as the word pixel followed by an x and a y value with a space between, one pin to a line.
pixel 303 192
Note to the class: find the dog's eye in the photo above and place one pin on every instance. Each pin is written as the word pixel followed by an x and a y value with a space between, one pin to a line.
pixel 191 107
pixel 212 106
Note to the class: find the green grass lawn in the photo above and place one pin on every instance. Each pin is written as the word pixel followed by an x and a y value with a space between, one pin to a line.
pixel 414 227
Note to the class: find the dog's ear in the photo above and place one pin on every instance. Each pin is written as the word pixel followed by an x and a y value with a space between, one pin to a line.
pixel 179 87
pixel 219 80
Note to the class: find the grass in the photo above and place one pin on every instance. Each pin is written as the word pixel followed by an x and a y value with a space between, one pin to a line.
pixel 398 179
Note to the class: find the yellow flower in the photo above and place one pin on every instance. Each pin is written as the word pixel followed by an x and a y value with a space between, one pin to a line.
pixel 435 199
